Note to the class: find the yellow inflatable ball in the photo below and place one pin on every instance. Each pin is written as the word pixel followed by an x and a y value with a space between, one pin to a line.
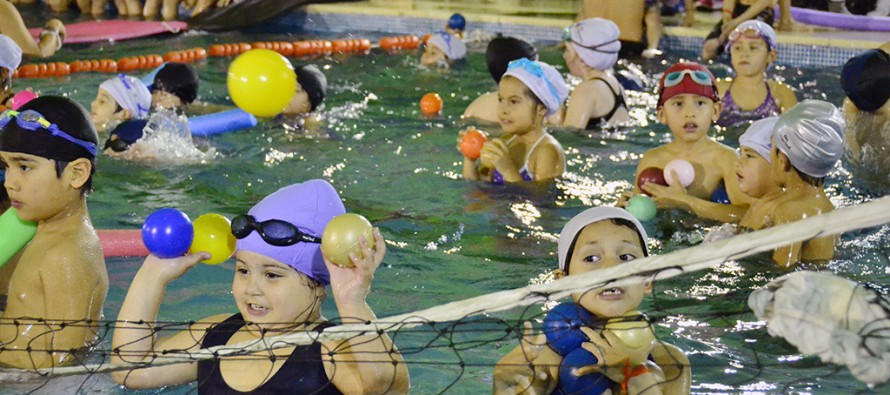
pixel 636 334
pixel 261 82
pixel 213 233
pixel 341 237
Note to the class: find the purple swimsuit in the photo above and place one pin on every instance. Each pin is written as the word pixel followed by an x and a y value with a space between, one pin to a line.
pixel 732 115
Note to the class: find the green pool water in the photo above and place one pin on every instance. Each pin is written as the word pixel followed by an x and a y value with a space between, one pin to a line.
pixel 449 239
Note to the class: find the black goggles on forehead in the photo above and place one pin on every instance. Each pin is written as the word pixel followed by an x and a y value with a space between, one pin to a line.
pixel 274 231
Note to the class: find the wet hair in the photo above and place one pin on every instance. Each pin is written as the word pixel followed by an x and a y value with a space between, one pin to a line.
pixel 502 50
pixel 814 181
pixel 313 82
pixel 70 117
pixel 615 221
pixel 179 79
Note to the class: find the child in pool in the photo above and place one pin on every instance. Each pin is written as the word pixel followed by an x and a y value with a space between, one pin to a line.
pixel 279 286
pixel 734 13
pixel 12 25
pixel 688 104
pixel 598 238
pixel 443 48
pixel 175 85
pixel 119 99
pixel 865 79
pixel 10 58
pixel 312 87
pixel 808 140
pixel 591 50
pixel 528 92
pixel 499 53
pixel 749 96
pixel 751 173
pixel 48 148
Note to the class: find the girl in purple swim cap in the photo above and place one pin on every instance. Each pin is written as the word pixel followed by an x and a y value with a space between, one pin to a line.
pixel 279 287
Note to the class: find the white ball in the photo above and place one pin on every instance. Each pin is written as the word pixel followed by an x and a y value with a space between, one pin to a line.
pixel 684 171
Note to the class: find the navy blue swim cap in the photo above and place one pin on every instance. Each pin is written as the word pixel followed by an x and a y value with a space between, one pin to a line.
pixel 457 22
pixel 865 78
pixel 125 134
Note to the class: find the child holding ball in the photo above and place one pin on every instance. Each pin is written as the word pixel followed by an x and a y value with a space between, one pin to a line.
pixel 528 92
pixel 279 287
pixel 598 238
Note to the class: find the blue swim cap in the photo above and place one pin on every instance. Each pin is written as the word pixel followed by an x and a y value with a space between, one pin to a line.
pixel 309 206
pixel 457 22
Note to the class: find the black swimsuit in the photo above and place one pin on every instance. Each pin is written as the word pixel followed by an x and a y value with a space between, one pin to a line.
pixel 595 122
pixel 302 373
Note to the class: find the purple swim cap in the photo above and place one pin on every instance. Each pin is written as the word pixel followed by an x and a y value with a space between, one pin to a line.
pixel 309 206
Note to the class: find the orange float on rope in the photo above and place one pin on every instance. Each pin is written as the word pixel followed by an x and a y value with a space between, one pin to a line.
pixel 27 71
pixel 174 56
pixel 217 50
pixel 79 66
pixel 399 42
pixel 128 64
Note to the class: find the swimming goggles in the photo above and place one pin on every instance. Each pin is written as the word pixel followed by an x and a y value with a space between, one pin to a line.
pixel 34 121
pixel 698 76
pixel 567 37
pixel 274 231
pixel 534 68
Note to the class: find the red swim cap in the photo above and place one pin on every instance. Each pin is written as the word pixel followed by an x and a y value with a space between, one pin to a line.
pixel 688 83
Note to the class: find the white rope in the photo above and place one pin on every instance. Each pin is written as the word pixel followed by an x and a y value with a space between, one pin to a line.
pixel 668 265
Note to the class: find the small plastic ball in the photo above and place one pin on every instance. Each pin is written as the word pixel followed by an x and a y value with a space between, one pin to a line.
pixel 642 207
pixel 636 334
pixel 562 327
pixel 167 233
pixel 431 104
pixel 21 98
pixel 342 235
pixel 261 82
pixel 650 175
pixel 591 383
pixel 472 142
pixel 683 169
pixel 720 195
pixel 213 233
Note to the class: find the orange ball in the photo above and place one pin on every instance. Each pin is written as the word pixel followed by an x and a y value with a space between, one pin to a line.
pixel 471 144
pixel 431 104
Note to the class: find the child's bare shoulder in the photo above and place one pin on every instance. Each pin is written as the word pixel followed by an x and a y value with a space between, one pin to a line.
pixel 80 249
pixel 793 207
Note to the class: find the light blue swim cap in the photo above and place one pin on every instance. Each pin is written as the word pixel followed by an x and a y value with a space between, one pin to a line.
pixel 309 206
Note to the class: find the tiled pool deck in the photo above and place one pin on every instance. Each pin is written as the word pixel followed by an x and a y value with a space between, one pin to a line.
pixel 819 48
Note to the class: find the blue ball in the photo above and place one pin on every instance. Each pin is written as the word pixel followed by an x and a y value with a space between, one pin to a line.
pixel 168 233
pixel 588 384
pixel 562 327
pixel 457 22
pixel 720 196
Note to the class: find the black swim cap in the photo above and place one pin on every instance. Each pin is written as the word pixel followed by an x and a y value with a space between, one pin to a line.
pixel 866 78
pixel 125 134
pixel 180 79
pixel 68 115
pixel 313 81
pixel 502 50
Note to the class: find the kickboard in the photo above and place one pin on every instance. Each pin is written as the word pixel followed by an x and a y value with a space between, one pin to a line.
pixel 115 30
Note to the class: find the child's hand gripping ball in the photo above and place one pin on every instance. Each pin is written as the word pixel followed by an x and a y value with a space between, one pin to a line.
pixel 341 237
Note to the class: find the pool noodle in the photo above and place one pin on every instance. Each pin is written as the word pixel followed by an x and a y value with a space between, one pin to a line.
pixel 843 21
pixel 16 234
pixel 122 242
pixel 221 122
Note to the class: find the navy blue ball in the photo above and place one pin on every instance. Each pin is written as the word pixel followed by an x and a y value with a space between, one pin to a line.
pixel 562 327
pixel 588 384
pixel 457 22
pixel 720 196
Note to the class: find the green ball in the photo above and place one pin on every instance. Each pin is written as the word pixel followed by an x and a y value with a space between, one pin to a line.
pixel 642 207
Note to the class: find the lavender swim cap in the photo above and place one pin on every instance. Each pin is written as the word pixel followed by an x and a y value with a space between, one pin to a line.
pixel 309 206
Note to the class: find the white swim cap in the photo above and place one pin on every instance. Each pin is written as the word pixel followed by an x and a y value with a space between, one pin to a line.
pixel 758 136
pixel 542 79
pixel 130 93
pixel 811 134
pixel 596 214
pixel 453 47
pixel 10 54
pixel 596 42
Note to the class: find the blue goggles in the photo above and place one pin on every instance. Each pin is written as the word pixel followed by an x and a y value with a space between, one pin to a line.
pixel 698 76
pixel 534 68
pixel 34 121
pixel 567 37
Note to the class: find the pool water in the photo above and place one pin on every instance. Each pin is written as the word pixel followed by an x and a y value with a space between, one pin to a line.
pixel 449 239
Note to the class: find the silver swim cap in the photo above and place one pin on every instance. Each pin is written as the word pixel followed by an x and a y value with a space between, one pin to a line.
pixel 811 134
pixel 579 222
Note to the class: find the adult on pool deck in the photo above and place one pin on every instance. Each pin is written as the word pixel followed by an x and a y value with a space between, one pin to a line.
pixel 12 25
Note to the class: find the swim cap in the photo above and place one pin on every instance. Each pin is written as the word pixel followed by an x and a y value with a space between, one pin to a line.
pixel 128 132
pixel 542 79
pixel 313 81
pixel 129 93
pixel 595 214
pixel 764 30
pixel 453 47
pixel 866 79
pixel 457 22
pixel 10 54
pixel 309 206
pixel 758 136
pixel 502 50
pixel 687 85
pixel 596 42
pixel 811 134
pixel 69 117
pixel 180 79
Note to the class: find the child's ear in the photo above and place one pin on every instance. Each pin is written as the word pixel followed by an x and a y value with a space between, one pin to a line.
pixel 659 115
pixel 718 109
pixel 542 111
pixel 648 287
pixel 123 114
pixel 558 274
pixel 773 55
pixel 78 172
